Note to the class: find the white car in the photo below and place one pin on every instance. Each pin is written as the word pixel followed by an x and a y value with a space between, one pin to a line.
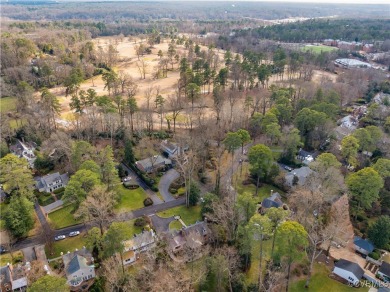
pixel 59 237
pixel 74 233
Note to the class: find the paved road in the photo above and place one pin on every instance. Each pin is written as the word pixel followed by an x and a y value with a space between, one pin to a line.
pixel 40 239
pixel 142 184
pixel 166 180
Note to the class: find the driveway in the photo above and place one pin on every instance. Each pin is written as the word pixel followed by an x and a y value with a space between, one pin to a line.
pixel 165 182
pixel 142 184
pixel 161 225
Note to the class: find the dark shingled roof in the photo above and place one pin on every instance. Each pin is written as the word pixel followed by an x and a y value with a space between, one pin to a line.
pixel 5 276
pixel 351 267
pixel 77 263
pixel 385 269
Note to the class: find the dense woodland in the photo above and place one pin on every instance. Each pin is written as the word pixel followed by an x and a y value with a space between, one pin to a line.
pixel 232 95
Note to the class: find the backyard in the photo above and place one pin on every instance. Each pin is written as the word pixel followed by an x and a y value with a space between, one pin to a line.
pixel 130 199
pixel 320 282
pixel 17 256
pixel 62 217
pixel 45 199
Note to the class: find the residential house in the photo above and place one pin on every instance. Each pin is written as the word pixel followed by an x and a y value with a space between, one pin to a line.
pixel 274 201
pixel 362 246
pixel 13 278
pixel 51 182
pixel 79 268
pixel 194 235
pixel 5 279
pixel 305 156
pixel 153 163
pixel 349 271
pixel 24 150
pixel 139 243
pixel 171 150
pixel 384 272
pixel 301 173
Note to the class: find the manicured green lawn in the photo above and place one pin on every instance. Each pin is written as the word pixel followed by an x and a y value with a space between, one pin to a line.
pixel 175 225
pixel 128 228
pixel 129 199
pixel 188 215
pixel 7 104
pixel 320 282
pixel 65 245
pixel 45 199
pixel 62 217
pixel 6 258
pixel 319 49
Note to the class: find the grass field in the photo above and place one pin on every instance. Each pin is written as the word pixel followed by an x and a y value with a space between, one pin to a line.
pixel 128 229
pixel 320 282
pixel 68 244
pixel 175 225
pixel 129 199
pixel 62 217
pixel 188 215
pixel 7 104
pixel 318 49
pixel 6 258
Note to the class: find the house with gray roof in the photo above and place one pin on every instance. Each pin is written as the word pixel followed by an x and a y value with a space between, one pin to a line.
pixel 301 173
pixel 194 235
pixel 306 157
pixel 13 278
pixel 363 246
pixel 139 243
pixel 24 150
pixel 274 201
pixel 349 271
pixel 79 267
pixel 153 163
pixel 51 182
pixel 384 272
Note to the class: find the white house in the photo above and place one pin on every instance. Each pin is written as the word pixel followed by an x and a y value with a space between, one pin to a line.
pixel 349 271
pixel 152 163
pixel 139 243
pixel 79 267
pixel 52 182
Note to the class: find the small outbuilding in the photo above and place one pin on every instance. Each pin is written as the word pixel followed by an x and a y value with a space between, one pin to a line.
pixel 363 246
pixel 349 271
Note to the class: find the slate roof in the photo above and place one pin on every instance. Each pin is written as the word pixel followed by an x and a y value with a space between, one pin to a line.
pixel 302 173
pixel 140 240
pixel 385 269
pixel 5 276
pixel 363 243
pixel 273 201
pixel 354 268
pixel 77 263
pixel 157 160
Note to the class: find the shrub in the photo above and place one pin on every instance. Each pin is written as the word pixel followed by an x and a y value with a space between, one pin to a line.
pixel 154 188
pixel 140 222
pixel 172 190
pixel 60 190
pixel 375 255
pixel 148 202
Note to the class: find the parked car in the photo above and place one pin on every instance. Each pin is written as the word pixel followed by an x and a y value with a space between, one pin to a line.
pixel 74 233
pixel 2 249
pixel 59 237
pixel 288 168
